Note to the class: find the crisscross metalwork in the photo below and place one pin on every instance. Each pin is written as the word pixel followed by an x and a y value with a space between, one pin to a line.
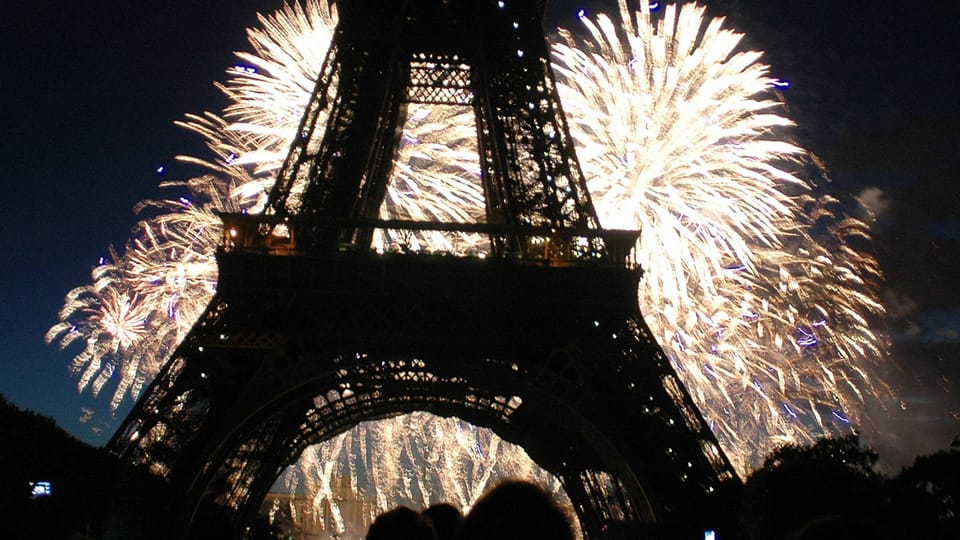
pixel 312 332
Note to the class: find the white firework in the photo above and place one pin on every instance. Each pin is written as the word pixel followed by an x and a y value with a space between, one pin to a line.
pixel 681 136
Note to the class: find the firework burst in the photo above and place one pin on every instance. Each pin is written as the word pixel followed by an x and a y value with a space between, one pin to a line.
pixel 751 283
pixel 142 304
pixel 111 321
pixel 681 135
pixel 459 465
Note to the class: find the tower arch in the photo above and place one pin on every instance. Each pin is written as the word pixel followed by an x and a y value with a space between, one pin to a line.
pixel 366 388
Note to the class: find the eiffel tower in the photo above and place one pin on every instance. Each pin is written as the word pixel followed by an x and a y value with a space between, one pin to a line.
pixel 312 331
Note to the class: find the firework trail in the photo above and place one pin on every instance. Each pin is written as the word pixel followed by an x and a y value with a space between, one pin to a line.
pixel 679 133
pixel 681 136
pixel 459 465
pixel 142 304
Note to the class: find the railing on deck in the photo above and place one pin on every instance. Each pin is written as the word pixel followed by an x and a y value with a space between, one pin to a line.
pixel 298 235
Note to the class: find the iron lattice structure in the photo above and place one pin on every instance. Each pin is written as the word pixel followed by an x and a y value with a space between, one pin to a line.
pixel 311 331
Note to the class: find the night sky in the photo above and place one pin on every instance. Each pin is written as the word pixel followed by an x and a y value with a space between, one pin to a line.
pixel 90 92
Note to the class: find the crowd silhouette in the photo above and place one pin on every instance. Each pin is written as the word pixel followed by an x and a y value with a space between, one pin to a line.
pixel 513 510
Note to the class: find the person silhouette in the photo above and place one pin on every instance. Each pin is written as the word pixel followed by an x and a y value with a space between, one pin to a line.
pixel 400 523
pixel 446 520
pixel 515 510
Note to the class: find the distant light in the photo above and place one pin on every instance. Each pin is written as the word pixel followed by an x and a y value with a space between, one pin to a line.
pixel 709 535
pixel 500 4
pixel 782 84
pixel 654 6
pixel 40 489
pixel 582 13
pixel 244 69
pixel 519 53
pixel 161 169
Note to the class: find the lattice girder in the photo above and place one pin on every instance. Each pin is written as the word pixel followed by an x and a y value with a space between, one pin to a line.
pixel 386 54
pixel 541 341
pixel 441 334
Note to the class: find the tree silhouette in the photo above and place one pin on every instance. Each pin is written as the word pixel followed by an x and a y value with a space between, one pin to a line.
pixel 828 490
pixel 926 496
pixel 33 448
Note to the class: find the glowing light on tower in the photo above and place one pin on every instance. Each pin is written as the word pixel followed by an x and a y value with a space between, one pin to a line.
pixel 680 134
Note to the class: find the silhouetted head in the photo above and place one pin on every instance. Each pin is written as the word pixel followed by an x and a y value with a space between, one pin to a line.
pixel 516 510
pixel 401 523
pixel 446 520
